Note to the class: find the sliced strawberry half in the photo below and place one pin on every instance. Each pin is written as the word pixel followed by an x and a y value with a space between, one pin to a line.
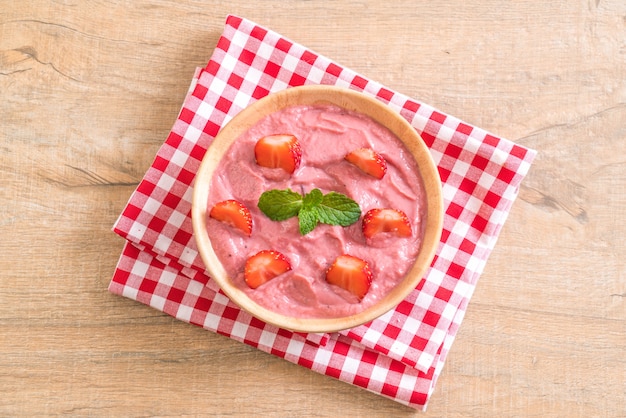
pixel 369 161
pixel 278 151
pixel 350 273
pixel 386 220
pixel 264 266
pixel 233 213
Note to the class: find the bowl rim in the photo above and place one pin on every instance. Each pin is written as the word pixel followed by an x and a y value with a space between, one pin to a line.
pixel 350 100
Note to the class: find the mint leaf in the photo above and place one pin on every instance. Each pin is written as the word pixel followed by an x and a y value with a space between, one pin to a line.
pixel 279 205
pixel 338 209
pixel 312 199
pixel 314 207
pixel 307 220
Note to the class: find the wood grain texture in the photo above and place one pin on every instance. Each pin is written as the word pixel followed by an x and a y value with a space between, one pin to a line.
pixel 88 92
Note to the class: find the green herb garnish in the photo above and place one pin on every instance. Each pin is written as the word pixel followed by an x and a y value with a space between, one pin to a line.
pixel 314 207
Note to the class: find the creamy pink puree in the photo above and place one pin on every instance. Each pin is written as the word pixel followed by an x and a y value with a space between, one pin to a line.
pixel 326 134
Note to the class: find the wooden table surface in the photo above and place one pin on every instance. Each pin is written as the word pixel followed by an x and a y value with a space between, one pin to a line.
pixel 88 92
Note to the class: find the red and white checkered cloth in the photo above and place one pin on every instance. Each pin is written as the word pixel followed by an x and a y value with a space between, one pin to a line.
pixel 399 355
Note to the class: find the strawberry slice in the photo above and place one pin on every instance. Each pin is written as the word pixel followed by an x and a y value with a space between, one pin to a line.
pixel 369 161
pixel 386 220
pixel 233 213
pixel 264 266
pixel 350 273
pixel 278 151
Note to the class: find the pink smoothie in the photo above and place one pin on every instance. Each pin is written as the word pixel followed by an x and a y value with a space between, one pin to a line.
pixel 326 134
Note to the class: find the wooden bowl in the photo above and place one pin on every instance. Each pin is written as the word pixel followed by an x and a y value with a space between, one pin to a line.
pixel 353 101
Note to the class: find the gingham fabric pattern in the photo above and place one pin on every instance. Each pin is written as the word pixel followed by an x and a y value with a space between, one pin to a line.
pixel 398 355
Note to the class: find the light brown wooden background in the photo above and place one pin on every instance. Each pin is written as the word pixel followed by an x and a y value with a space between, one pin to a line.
pixel 88 92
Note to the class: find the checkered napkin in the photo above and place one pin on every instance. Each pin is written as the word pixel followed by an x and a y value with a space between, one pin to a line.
pixel 399 355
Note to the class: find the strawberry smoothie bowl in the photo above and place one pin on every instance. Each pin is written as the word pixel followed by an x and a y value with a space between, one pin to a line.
pixel 317 209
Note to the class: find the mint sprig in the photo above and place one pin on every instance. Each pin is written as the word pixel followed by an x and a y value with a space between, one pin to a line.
pixel 312 208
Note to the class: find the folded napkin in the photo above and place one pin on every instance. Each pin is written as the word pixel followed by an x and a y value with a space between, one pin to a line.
pixel 399 355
